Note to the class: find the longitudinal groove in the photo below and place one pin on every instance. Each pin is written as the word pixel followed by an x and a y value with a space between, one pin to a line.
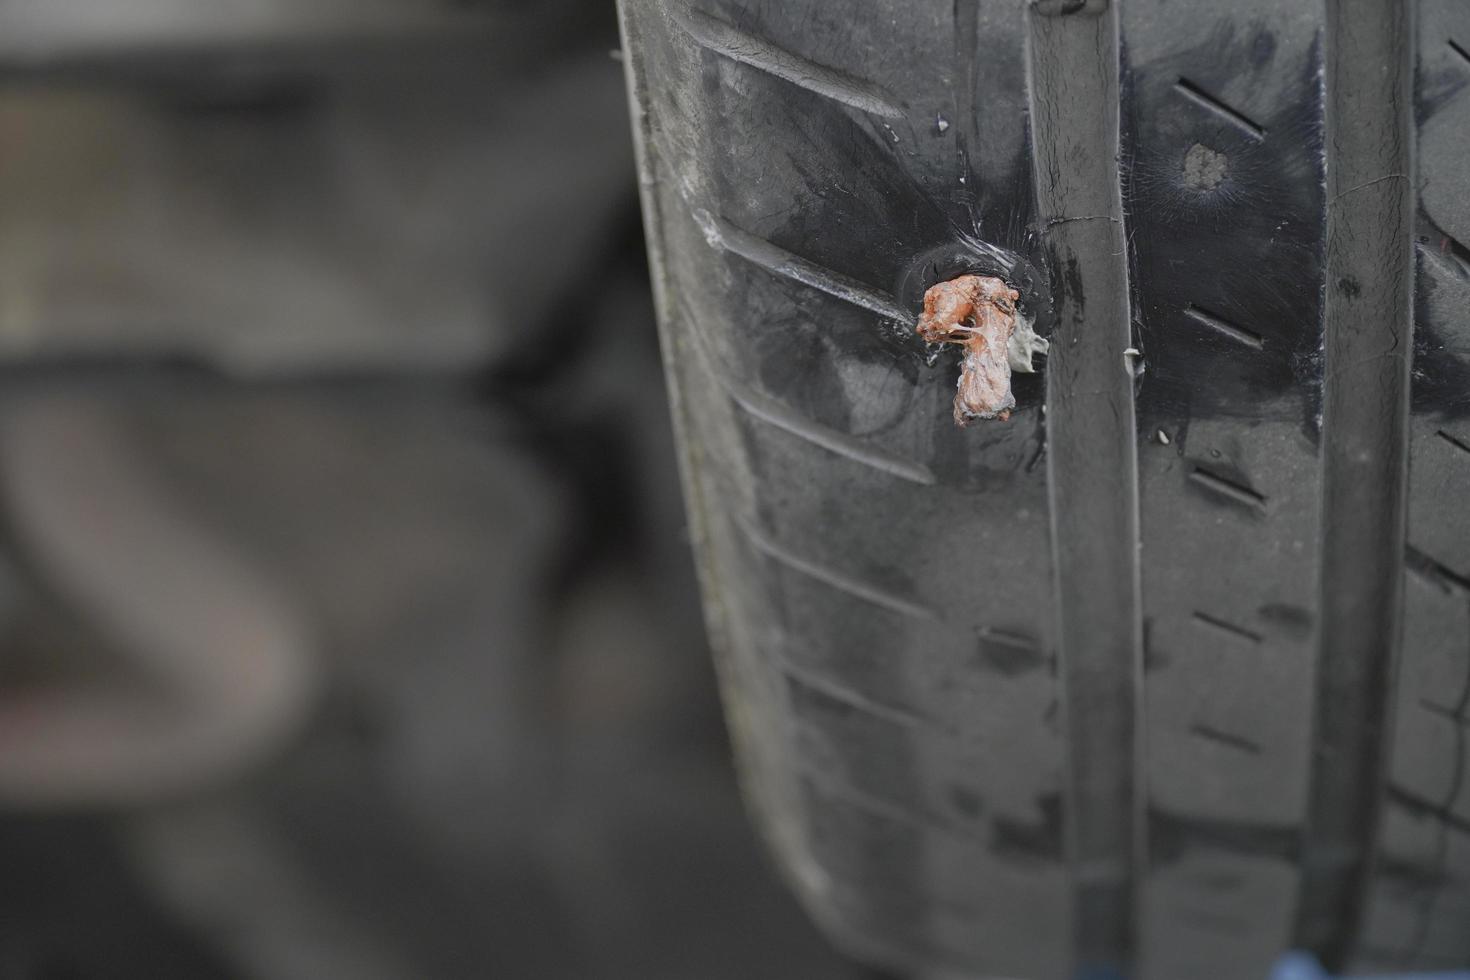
pixel 1224 327
pixel 1231 490
pixel 965 16
pixel 721 234
pixel 1235 117
pixel 837 580
pixel 741 46
pixel 774 413
pixel 1073 69
pixel 1369 322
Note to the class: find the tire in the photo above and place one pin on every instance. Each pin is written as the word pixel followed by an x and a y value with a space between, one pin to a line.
pixel 1170 672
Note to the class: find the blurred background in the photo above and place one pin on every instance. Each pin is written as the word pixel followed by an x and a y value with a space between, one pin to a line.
pixel 349 624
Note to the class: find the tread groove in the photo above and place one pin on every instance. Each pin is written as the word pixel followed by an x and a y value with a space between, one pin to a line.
pixel 1421 807
pixel 848 795
pixel 1238 742
pixel 842 583
pixel 1224 327
pixel 1462 447
pixel 1205 100
pixel 1450 257
pixel 860 702
pixel 749 49
pixel 775 414
pixel 772 412
pixel 1231 490
pixel 1455 714
pixel 1009 638
pixel 1451 252
pixel 773 258
pixel 1460 50
pixel 1446 711
pixel 1368 329
pixel 1239 632
pixel 1436 574
pixel 1073 91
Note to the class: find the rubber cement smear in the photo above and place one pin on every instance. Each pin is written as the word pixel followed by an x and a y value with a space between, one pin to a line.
pixel 979 314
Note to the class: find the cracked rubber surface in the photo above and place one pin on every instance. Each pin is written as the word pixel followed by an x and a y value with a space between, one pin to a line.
pixel 1171 676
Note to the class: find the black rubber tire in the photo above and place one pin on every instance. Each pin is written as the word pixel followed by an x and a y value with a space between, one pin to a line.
pixel 1170 672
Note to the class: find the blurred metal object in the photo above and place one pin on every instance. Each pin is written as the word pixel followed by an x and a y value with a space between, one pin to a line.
pixel 225 658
